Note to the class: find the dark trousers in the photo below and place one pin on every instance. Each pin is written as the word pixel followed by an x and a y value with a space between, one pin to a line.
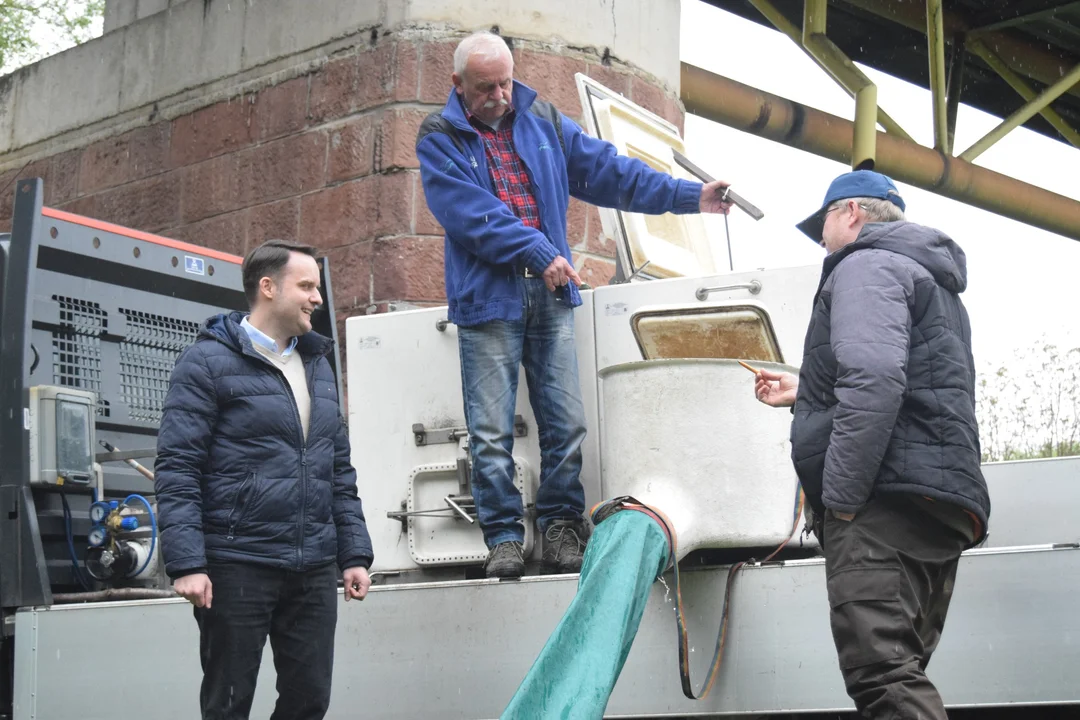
pixel 297 610
pixel 890 575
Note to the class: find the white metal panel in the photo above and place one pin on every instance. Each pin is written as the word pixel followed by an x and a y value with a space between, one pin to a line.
pixel 403 370
pixel 458 651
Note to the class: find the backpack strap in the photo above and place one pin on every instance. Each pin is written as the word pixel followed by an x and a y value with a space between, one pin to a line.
pixel 436 123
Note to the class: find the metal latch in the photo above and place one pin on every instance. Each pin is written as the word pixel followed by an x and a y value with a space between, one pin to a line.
pixel 436 436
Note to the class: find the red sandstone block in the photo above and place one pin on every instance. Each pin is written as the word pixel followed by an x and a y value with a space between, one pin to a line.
pixel 149 205
pixel 123 158
pixel 371 207
pixel 352 148
pixel 281 168
pixel 598 243
pixel 409 269
pixel 552 76
pixel 436 67
pixel 281 109
pixel 273 221
pixel 210 188
pixel 594 271
pixel 610 77
pixel 226 233
pixel 220 128
pixel 424 223
pixel 576 226
pixel 350 275
pixel 406 71
pixel 398 138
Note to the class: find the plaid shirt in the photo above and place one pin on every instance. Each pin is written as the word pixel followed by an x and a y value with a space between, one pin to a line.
pixel 508 174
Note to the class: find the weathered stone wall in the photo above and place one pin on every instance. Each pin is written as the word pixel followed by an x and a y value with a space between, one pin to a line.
pixel 316 146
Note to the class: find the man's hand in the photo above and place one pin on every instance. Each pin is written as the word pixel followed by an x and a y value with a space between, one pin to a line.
pixel 357 583
pixel 196 589
pixel 559 272
pixel 711 195
pixel 776 389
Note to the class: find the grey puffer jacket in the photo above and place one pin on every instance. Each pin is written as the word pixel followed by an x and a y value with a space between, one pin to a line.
pixel 886 399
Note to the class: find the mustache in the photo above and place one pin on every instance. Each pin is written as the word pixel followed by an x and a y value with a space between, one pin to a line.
pixel 491 103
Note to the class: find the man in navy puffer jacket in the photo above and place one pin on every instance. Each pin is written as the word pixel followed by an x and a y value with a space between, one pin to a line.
pixel 257 495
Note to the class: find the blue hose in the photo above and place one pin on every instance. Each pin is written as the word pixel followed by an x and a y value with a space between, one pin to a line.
pixel 153 530
pixel 76 570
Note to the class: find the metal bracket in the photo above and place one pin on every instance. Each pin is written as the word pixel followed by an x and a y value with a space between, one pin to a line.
pixel 423 435
pixel 754 286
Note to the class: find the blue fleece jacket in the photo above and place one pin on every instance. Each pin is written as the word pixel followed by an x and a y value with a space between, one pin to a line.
pixel 485 241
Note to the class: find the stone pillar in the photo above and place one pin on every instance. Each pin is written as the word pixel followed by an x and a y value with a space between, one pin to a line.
pixel 227 123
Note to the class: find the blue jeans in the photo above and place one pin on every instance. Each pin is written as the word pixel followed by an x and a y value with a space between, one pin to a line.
pixel 491 353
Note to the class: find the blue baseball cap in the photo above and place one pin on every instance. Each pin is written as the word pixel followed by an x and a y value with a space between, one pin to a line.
pixel 859 183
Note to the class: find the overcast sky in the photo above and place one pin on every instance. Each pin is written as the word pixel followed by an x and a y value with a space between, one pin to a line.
pixel 1022 282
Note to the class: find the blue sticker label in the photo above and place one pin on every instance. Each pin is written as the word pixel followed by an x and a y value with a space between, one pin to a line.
pixel 194 265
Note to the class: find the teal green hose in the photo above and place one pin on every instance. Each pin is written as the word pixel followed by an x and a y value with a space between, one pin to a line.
pixel 576 671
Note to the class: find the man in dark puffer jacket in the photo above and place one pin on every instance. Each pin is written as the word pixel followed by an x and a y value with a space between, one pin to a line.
pixel 257 494
pixel 884 439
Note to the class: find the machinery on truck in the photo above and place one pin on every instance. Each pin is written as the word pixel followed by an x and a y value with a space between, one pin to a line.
pixel 94 316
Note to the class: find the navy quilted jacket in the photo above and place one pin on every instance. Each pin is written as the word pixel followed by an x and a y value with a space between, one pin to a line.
pixel 886 398
pixel 235 480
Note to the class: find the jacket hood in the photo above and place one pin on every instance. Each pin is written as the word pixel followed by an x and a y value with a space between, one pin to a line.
pixel 931 248
pixel 226 329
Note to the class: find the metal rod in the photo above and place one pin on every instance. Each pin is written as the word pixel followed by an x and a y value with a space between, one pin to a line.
pixel 1022 115
pixel 740 106
pixel 458 510
pixel 1023 56
pixel 830 59
pixel 935 41
pixel 754 286
pixel 114 594
pixel 954 86
pixel 1021 86
pixel 864 138
pixel 1024 19
pixel 814 19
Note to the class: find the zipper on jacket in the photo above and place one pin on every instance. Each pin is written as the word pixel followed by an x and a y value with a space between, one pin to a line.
pixel 234 517
pixel 303 468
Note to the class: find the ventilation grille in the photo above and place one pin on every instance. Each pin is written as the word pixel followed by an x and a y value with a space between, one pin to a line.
pixel 77 346
pixel 147 356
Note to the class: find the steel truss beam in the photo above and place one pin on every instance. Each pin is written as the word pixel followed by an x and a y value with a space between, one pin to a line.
pixel 745 108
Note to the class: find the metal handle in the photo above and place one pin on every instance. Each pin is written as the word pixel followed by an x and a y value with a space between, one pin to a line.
pixel 440 325
pixel 458 509
pixel 754 286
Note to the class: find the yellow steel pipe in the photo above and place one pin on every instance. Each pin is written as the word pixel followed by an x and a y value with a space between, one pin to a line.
pixel 1022 115
pixel 1020 86
pixel 745 108
pixel 935 41
pixel 830 58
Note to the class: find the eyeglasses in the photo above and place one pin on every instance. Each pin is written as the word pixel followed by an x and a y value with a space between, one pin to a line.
pixel 839 207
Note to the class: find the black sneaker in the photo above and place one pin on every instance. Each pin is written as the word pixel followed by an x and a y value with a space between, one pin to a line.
pixel 564 546
pixel 505 560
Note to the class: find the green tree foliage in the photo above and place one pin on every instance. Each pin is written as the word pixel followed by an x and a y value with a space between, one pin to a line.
pixel 1030 407
pixel 32 29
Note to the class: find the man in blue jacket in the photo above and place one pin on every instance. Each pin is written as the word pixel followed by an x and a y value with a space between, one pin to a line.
pixel 498 167
pixel 884 438
pixel 257 495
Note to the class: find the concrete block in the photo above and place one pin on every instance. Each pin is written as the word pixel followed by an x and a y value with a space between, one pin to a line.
pixel 142 59
pixel 119 13
pixel 146 8
pixel 69 90
pixel 277 28
pixel 202 44
pixel 9 95
pixel 645 34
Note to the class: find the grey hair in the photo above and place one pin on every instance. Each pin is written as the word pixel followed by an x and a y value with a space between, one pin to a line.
pixel 877 210
pixel 481 43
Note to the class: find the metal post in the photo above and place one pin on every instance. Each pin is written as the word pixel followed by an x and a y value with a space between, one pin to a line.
pixel 1022 115
pixel 745 108
pixel 829 58
pixel 935 41
pixel 813 19
pixel 954 86
pixel 1018 84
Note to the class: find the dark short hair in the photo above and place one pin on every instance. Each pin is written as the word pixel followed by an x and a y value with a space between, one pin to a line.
pixel 268 260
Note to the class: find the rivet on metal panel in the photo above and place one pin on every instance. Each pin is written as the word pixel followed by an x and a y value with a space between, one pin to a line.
pixel 136 252
pixel 175 261
pixel 53 232
pixel 210 269
pixel 96 242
